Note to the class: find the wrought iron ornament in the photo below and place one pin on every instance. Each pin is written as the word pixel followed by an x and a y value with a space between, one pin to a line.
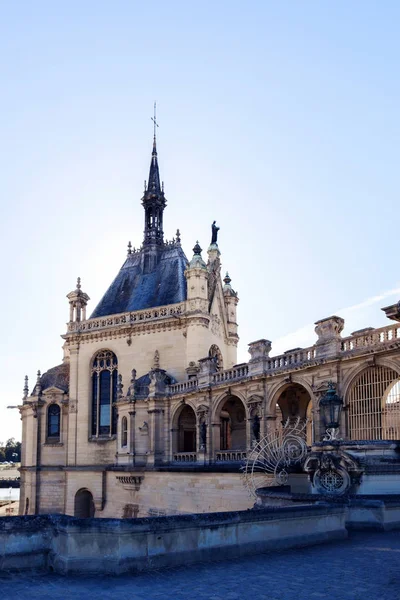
pixel 274 455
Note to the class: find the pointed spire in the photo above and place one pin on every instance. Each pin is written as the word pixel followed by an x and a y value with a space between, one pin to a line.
pixel 38 387
pixel 154 175
pixel 153 199
pixel 26 387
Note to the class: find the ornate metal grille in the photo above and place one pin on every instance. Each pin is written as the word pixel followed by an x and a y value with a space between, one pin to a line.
pixel 270 461
pixel 374 405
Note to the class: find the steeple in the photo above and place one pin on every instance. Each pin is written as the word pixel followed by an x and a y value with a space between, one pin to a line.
pixel 153 199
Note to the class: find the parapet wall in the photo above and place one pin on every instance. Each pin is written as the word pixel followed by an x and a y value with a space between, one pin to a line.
pixel 68 545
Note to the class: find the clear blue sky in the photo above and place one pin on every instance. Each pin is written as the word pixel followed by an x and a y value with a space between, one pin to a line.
pixel 277 119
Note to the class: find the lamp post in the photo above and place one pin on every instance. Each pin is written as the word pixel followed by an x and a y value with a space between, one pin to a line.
pixel 331 407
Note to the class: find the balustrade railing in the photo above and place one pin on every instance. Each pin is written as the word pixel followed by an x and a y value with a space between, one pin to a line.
pixel 128 318
pixel 372 337
pixel 230 455
pixel 231 374
pixel 183 387
pixel 185 457
pixel 294 358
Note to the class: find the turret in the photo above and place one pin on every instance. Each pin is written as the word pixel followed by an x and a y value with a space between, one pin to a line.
pixel 77 303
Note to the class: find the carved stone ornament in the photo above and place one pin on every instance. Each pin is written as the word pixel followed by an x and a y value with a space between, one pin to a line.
pixel 259 350
pixel 329 329
pixel 332 472
pixel 157 385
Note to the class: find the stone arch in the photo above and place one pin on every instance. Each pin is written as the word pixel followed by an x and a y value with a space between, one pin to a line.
pixel 232 415
pixel 83 504
pixel 292 400
pixel 349 379
pixel 373 402
pixel 184 429
pixel 219 400
pixel 276 390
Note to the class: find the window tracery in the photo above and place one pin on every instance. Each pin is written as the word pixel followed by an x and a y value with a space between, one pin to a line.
pixel 104 393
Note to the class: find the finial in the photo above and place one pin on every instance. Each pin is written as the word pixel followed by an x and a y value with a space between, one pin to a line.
pixel 38 386
pixel 197 249
pixel 178 236
pixel 155 124
pixel 145 186
pixel 26 388
pixel 162 187
pixel 78 283
pixel 227 279
pixel 156 361
pixel 129 248
pixel 120 387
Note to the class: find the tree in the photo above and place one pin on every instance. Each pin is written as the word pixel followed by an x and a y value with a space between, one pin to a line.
pixel 12 450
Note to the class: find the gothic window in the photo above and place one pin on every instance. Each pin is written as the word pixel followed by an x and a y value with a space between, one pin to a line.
pixel 104 393
pixel 215 353
pixel 124 432
pixel 53 421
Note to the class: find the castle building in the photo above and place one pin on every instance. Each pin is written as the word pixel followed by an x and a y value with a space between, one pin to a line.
pixel 149 413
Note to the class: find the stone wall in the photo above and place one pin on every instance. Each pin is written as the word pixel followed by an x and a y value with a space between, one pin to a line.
pixel 68 545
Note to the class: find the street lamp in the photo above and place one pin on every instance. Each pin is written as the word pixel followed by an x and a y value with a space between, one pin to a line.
pixel 331 406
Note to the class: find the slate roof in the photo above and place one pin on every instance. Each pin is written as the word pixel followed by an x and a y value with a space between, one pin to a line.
pixel 56 376
pixel 136 288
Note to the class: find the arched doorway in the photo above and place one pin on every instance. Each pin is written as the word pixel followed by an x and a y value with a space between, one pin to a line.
pixel 84 505
pixel 187 430
pixel 294 402
pixel 233 425
pixel 374 405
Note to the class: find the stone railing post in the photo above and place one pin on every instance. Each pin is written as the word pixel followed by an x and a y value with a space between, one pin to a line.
pixel 329 339
pixel 259 352
pixel 208 367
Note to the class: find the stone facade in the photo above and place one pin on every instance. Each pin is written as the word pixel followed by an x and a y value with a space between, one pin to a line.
pixel 149 412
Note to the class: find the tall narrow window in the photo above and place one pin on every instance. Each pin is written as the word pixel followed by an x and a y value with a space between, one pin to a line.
pixel 104 393
pixel 53 421
pixel 124 432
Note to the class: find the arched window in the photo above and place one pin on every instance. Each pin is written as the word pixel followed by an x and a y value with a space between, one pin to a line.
pixel 104 393
pixel 53 421
pixel 124 431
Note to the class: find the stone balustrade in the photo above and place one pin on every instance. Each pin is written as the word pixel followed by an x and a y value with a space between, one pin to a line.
pixel 294 358
pixel 183 387
pixel 185 457
pixel 230 455
pixel 369 338
pixel 230 374
pixel 128 318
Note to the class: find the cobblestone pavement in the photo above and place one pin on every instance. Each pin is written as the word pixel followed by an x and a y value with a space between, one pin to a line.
pixel 365 567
